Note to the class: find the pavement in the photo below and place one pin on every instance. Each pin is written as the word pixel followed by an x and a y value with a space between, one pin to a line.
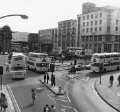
pixel 111 95
pixel 10 100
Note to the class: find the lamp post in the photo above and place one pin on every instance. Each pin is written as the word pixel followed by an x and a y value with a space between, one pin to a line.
pixel 23 17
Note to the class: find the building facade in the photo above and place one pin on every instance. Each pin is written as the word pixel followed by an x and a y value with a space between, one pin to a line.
pixel 33 42
pixel 48 40
pixel 19 41
pixel 67 34
pixel 99 29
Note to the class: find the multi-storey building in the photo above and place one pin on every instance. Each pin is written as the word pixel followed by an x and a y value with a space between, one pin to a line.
pixel 33 43
pixel 67 34
pixel 19 41
pixel 99 29
pixel 48 40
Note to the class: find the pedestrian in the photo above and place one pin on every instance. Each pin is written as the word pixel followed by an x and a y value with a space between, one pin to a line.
pixel 46 108
pixel 54 80
pixel 119 80
pixel 33 96
pixel 4 103
pixel 75 62
pixel 47 76
pixel 111 80
pixel 52 109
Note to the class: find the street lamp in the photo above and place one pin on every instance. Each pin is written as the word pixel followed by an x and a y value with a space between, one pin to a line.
pixel 23 16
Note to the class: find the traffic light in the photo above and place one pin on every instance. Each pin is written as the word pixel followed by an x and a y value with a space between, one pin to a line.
pixel 1 70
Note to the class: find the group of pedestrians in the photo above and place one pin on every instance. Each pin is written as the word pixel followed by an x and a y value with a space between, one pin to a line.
pixel 111 80
pixel 48 108
pixel 53 79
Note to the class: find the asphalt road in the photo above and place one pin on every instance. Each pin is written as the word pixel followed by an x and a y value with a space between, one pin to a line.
pixel 80 95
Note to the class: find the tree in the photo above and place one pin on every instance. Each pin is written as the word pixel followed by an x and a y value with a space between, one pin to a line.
pixel 6 38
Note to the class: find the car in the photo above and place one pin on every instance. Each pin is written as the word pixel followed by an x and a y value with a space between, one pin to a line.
pixel 82 67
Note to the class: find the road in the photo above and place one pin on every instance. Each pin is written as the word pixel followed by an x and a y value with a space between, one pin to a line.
pixel 80 94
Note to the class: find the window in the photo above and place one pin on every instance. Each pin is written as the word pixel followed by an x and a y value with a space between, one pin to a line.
pixel 92 16
pixel 83 17
pixel 87 16
pixel 95 22
pixel 90 46
pixel 87 23
pixel 91 38
pixel 116 28
pixel 100 21
pixel 91 23
pixel 91 29
pixel 99 38
pixel 100 29
pixel 83 30
pixel 96 16
pixel 87 30
pixel 116 22
pixel 100 14
pixel 95 28
pixel 83 23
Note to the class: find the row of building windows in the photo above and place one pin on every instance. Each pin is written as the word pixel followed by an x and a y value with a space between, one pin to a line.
pixel 91 38
pixel 91 23
pixel 91 16
pixel 91 29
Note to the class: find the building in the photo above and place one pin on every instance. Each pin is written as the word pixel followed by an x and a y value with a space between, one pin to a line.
pixel 48 40
pixel 67 34
pixel 99 29
pixel 19 41
pixel 33 42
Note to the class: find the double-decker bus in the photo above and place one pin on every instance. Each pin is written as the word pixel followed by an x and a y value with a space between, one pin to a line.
pixel 103 62
pixel 17 66
pixel 38 62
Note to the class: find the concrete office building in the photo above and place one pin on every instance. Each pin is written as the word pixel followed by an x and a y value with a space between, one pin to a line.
pixel 67 34
pixel 48 40
pixel 99 29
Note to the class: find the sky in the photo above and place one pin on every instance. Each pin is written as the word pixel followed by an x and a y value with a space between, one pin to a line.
pixel 43 14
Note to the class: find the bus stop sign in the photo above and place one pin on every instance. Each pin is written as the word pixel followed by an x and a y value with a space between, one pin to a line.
pixel 1 70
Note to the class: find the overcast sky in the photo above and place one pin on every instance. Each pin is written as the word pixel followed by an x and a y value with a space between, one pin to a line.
pixel 43 14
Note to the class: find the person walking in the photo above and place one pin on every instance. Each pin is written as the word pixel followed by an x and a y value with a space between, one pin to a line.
pixel 46 108
pixel 52 108
pixel 111 80
pixel 33 96
pixel 47 76
pixel 54 80
pixel 119 80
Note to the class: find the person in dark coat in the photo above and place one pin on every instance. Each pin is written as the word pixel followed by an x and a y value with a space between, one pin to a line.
pixel 52 79
pixel 119 80
pixel 47 76
pixel 111 80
